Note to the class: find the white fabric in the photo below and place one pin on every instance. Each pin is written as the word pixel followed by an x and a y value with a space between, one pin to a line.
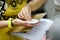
pixel 57 2
pixel 38 31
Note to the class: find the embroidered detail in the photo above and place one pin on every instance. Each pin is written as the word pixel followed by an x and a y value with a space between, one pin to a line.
pixel 2 10
pixel 19 1
pixel 13 3
pixel 7 17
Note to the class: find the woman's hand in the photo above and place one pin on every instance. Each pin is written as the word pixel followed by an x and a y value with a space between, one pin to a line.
pixel 19 22
pixel 25 13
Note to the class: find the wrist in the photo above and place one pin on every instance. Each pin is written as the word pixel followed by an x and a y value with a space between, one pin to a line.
pixel 15 22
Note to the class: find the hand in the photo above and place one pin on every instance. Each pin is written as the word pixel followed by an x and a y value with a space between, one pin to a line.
pixel 19 22
pixel 25 13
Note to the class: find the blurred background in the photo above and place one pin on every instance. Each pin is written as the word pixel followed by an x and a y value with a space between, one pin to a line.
pixel 52 8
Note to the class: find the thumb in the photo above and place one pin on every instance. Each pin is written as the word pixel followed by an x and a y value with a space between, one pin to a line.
pixel 24 22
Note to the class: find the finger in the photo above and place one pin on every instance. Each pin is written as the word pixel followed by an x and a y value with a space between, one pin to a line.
pixel 29 11
pixel 24 22
pixel 29 14
pixel 25 16
pixel 37 23
pixel 19 16
pixel 29 17
pixel 26 13
pixel 22 16
pixel 29 25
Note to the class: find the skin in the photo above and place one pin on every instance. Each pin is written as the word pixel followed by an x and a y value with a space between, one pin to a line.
pixel 24 14
pixel 31 6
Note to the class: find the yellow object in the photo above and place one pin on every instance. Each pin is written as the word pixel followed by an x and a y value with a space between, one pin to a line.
pixel 11 11
pixel 14 10
pixel 9 23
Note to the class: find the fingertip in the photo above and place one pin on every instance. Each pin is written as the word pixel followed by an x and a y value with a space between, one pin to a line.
pixel 18 15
